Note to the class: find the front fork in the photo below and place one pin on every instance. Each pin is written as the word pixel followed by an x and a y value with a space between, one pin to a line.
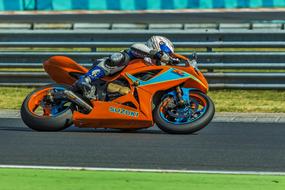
pixel 182 95
pixel 181 101
pixel 180 107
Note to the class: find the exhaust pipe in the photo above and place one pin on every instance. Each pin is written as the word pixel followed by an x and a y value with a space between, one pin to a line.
pixel 77 100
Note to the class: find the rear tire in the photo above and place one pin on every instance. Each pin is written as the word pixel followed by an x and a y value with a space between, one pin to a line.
pixel 186 128
pixel 56 122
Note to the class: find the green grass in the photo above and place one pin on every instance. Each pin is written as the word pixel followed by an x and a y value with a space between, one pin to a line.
pixel 247 49
pixel 249 100
pixel 202 70
pixel 117 49
pixel 27 49
pixel 28 179
pixel 247 70
pixel 22 69
pixel 225 100
pixel 12 97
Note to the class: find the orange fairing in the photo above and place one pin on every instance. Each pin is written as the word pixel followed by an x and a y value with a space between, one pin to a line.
pixel 192 83
pixel 59 69
pixel 132 110
pixel 106 114
pixel 179 56
pixel 139 115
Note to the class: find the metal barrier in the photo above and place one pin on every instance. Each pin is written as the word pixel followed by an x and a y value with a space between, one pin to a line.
pixel 220 52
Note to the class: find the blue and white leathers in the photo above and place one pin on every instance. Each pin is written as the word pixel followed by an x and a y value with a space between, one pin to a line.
pixel 118 61
pixel 157 48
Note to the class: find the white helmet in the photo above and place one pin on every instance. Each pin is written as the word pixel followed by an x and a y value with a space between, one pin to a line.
pixel 160 43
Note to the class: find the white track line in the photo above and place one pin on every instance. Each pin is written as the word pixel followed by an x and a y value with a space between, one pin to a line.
pixel 142 170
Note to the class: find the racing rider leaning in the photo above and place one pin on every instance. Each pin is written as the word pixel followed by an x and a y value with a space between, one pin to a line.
pixel 157 50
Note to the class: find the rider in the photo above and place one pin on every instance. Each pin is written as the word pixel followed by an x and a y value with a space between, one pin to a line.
pixel 157 49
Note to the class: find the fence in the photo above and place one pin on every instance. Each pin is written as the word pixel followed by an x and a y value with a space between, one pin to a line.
pixel 244 56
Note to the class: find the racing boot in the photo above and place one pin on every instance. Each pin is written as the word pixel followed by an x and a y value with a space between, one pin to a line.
pixel 84 83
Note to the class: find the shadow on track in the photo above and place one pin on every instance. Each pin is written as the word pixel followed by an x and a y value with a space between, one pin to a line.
pixel 16 124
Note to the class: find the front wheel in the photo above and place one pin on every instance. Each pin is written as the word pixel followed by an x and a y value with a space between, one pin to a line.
pixel 42 112
pixel 193 116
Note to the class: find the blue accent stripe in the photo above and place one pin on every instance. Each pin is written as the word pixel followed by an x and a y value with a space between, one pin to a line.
pixel 163 77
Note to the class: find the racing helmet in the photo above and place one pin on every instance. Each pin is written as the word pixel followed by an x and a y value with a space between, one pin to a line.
pixel 160 43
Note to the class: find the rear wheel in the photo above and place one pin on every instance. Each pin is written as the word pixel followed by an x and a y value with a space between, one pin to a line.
pixel 42 112
pixel 193 116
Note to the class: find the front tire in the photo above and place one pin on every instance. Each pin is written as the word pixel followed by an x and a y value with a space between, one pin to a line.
pixel 170 125
pixel 45 121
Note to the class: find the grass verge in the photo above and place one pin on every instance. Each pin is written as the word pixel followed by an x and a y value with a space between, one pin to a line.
pixel 12 97
pixel 29 179
pixel 272 101
pixel 268 101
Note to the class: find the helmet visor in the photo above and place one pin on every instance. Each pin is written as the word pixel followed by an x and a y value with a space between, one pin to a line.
pixel 165 48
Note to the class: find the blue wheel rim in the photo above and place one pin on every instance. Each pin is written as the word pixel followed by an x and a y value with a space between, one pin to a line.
pixel 197 107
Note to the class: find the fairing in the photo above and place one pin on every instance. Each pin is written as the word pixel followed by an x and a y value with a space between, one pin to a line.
pixel 60 69
pixel 118 111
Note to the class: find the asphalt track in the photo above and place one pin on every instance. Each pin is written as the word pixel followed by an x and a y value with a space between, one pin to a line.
pixel 220 146
pixel 231 16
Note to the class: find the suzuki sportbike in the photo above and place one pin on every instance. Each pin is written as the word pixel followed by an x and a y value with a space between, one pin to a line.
pixel 174 97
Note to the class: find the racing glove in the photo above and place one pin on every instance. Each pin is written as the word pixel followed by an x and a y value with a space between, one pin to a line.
pixel 160 55
pixel 164 57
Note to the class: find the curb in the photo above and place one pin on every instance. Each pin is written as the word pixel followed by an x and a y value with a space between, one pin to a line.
pixel 219 117
pixel 72 168
pixel 249 117
pixel 9 113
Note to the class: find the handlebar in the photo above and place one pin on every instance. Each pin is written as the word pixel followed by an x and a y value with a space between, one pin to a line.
pixel 192 60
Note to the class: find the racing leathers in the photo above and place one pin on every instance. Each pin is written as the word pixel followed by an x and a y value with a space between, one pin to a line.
pixel 117 62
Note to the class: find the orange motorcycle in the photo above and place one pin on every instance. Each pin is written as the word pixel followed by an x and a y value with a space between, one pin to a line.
pixel 143 94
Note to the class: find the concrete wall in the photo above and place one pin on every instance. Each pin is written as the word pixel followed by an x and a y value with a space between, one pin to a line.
pixel 19 5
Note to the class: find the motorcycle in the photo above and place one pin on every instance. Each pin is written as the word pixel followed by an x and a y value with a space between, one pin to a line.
pixel 173 96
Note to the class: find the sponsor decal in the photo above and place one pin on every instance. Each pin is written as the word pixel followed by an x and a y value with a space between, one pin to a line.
pixel 95 72
pixel 123 111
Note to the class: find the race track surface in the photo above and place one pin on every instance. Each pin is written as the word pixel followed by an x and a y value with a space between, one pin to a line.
pixel 178 17
pixel 220 146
